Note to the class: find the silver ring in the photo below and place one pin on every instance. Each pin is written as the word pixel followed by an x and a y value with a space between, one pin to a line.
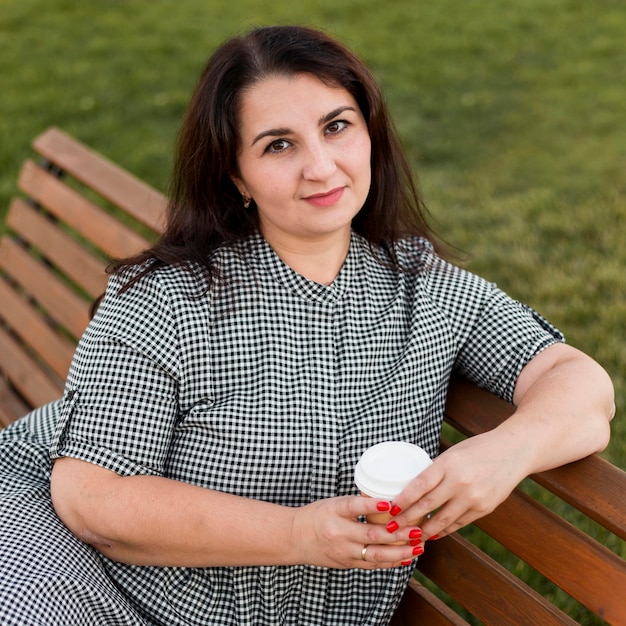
pixel 363 552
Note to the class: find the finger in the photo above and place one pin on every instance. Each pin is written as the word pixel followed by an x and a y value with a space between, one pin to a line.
pixel 390 534
pixel 373 556
pixel 447 503
pixel 362 506
pixel 450 518
pixel 420 496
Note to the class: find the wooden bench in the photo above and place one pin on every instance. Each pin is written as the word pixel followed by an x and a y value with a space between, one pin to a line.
pixel 79 209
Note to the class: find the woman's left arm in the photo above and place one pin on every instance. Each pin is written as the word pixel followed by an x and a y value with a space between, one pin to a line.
pixel 564 401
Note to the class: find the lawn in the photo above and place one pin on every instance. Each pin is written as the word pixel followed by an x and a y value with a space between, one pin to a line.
pixel 513 115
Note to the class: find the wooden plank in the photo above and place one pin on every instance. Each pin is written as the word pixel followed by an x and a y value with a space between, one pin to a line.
pixel 61 303
pixel 11 406
pixel 472 410
pixel 420 606
pixel 484 587
pixel 560 552
pixel 25 374
pixel 85 269
pixel 27 323
pixel 90 220
pixel 592 485
pixel 112 182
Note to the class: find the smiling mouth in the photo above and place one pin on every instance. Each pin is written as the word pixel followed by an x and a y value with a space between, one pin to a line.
pixel 327 198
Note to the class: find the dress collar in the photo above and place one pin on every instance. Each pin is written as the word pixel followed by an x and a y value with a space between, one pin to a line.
pixel 304 287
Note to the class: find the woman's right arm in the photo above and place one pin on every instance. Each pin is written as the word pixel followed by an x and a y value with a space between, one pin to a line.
pixel 150 520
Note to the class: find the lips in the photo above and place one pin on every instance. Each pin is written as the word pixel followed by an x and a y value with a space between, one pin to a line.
pixel 327 198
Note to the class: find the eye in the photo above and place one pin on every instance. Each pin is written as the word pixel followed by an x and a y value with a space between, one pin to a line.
pixel 280 145
pixel 337 126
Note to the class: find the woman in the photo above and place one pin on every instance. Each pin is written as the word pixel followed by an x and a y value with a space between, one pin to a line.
pixel 294 313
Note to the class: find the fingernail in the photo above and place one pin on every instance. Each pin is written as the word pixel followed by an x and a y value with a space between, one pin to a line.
pixel 406 563
pixel 395 510
pixel 433 538
pixel 415 542
pixel 383 506
pixel 415 533
pixel 392 526
pixel 417 550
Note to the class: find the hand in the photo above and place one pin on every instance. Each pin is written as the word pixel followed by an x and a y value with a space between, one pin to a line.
pixel 464 483
pixel 328 533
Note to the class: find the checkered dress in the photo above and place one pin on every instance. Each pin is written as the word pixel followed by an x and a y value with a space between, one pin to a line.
pixel 269 387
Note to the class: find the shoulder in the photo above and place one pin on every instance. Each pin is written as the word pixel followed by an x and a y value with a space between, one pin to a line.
pixel 415 253
pixel 177 290
pixel 417 256
pixel 411 256
pixel 453 290
pixel 142 280
pixel 139 305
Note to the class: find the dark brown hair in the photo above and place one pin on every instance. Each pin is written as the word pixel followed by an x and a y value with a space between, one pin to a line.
pixel 205 209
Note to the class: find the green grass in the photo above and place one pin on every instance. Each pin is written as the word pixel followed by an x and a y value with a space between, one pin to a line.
pixel 513 115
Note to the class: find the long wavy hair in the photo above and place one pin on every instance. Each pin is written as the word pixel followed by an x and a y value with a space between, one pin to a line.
pixel 205 209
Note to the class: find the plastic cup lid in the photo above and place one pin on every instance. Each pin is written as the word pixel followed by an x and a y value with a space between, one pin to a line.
pixel 386 468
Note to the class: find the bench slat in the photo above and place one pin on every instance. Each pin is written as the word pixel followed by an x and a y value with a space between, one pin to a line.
pixel 112 182
pixel 24 373
pixel 11 406
pixel 484 587
pixel 603 581
pixel 62 304
pixel 96 225
pixel 85 269
pixel 53 348
pixel 420 606
pixel 592 485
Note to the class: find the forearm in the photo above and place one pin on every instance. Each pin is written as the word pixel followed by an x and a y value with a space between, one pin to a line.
pixel 563 410
pixel 147 520
pixel 564 405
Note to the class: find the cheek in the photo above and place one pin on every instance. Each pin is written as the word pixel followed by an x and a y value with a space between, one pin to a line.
pixel 362 150
pixel 271 192
pixel 362 162
pixel 270 181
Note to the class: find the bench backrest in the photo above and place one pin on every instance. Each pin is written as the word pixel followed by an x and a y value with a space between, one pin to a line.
pixel 588 564
pixel 79 210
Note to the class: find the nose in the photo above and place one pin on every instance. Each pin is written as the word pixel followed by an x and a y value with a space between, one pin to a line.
pixel 319 162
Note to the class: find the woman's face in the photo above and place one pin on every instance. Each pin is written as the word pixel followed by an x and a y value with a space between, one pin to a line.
pixel 304 158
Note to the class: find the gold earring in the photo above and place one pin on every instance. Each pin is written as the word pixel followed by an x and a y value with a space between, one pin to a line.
pixel 246 201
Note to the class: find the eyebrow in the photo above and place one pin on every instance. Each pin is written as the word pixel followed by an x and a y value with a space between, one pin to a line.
pixel 279 132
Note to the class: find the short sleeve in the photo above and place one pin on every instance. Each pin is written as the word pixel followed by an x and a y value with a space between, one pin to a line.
pixel 120 402
pixel 497 335
pixel 506 336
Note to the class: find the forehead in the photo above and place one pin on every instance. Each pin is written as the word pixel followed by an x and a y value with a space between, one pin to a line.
pixel 281 101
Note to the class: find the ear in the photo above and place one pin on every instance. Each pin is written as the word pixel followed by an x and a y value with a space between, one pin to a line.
pixel 240 185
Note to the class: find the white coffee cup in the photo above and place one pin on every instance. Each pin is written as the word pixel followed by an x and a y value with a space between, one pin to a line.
pixel 386 468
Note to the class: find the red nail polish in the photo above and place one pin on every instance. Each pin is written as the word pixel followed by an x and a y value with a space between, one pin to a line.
pixel 415 542
pixel 395 510
pixel 433 538
pixel 383 506
pixel 415 533
pixel 392 526
pixel 418 550
pixel 406 563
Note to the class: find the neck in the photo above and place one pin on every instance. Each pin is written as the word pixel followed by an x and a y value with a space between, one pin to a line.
pixel 318 260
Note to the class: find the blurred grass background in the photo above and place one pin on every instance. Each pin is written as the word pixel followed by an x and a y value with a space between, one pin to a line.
pixel 513 114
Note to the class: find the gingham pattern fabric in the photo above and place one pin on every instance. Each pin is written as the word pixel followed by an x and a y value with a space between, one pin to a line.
pixel 270 387
pixel 47 576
